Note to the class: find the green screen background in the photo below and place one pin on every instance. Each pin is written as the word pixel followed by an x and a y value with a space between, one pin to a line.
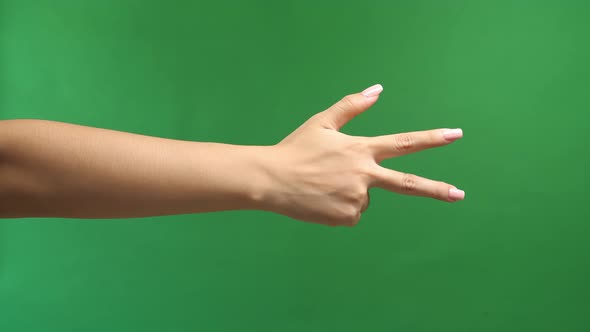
pixel 515 75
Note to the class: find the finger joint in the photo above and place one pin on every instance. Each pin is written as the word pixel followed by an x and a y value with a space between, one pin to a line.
pixel 409 183
pixel 403 142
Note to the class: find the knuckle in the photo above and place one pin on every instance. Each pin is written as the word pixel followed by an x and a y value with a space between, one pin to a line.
pixel 409 182
pixel 359 197
pixel 403 142
pixel 348 102
pixel 350 216
pixel 364 206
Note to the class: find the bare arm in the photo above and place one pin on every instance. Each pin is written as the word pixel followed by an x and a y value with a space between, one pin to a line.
pixel 54 169
pixel 315 174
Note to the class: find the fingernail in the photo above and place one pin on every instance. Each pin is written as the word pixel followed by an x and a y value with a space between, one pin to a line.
pixel 452 134
pixel 372 91
pixel 456 194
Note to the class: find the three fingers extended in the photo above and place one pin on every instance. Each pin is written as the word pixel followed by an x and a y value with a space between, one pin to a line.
pixel 395 145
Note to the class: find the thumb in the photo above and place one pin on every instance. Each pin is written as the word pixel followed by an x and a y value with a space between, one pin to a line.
pixel 350 106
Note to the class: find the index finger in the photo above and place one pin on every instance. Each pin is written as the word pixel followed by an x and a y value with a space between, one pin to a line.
pixel 389 146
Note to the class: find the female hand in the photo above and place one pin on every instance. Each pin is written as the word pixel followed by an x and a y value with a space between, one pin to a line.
pixel 321 175
pixel 317 174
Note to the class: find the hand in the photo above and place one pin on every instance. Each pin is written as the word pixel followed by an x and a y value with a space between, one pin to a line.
pixel 321 175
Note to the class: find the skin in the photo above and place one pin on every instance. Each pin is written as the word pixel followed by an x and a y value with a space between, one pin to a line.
pixel 316 174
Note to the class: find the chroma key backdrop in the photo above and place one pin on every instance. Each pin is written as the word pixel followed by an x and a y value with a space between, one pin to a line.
pixel 514 75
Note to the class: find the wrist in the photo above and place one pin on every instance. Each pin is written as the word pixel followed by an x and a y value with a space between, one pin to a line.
pixel 260 183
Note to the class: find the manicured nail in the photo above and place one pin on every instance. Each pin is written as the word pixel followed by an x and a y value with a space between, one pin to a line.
pixel 452 134
pixel 456 194
pixel 372 91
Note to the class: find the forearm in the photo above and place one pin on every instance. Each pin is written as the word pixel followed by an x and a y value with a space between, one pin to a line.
pixel 53 169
